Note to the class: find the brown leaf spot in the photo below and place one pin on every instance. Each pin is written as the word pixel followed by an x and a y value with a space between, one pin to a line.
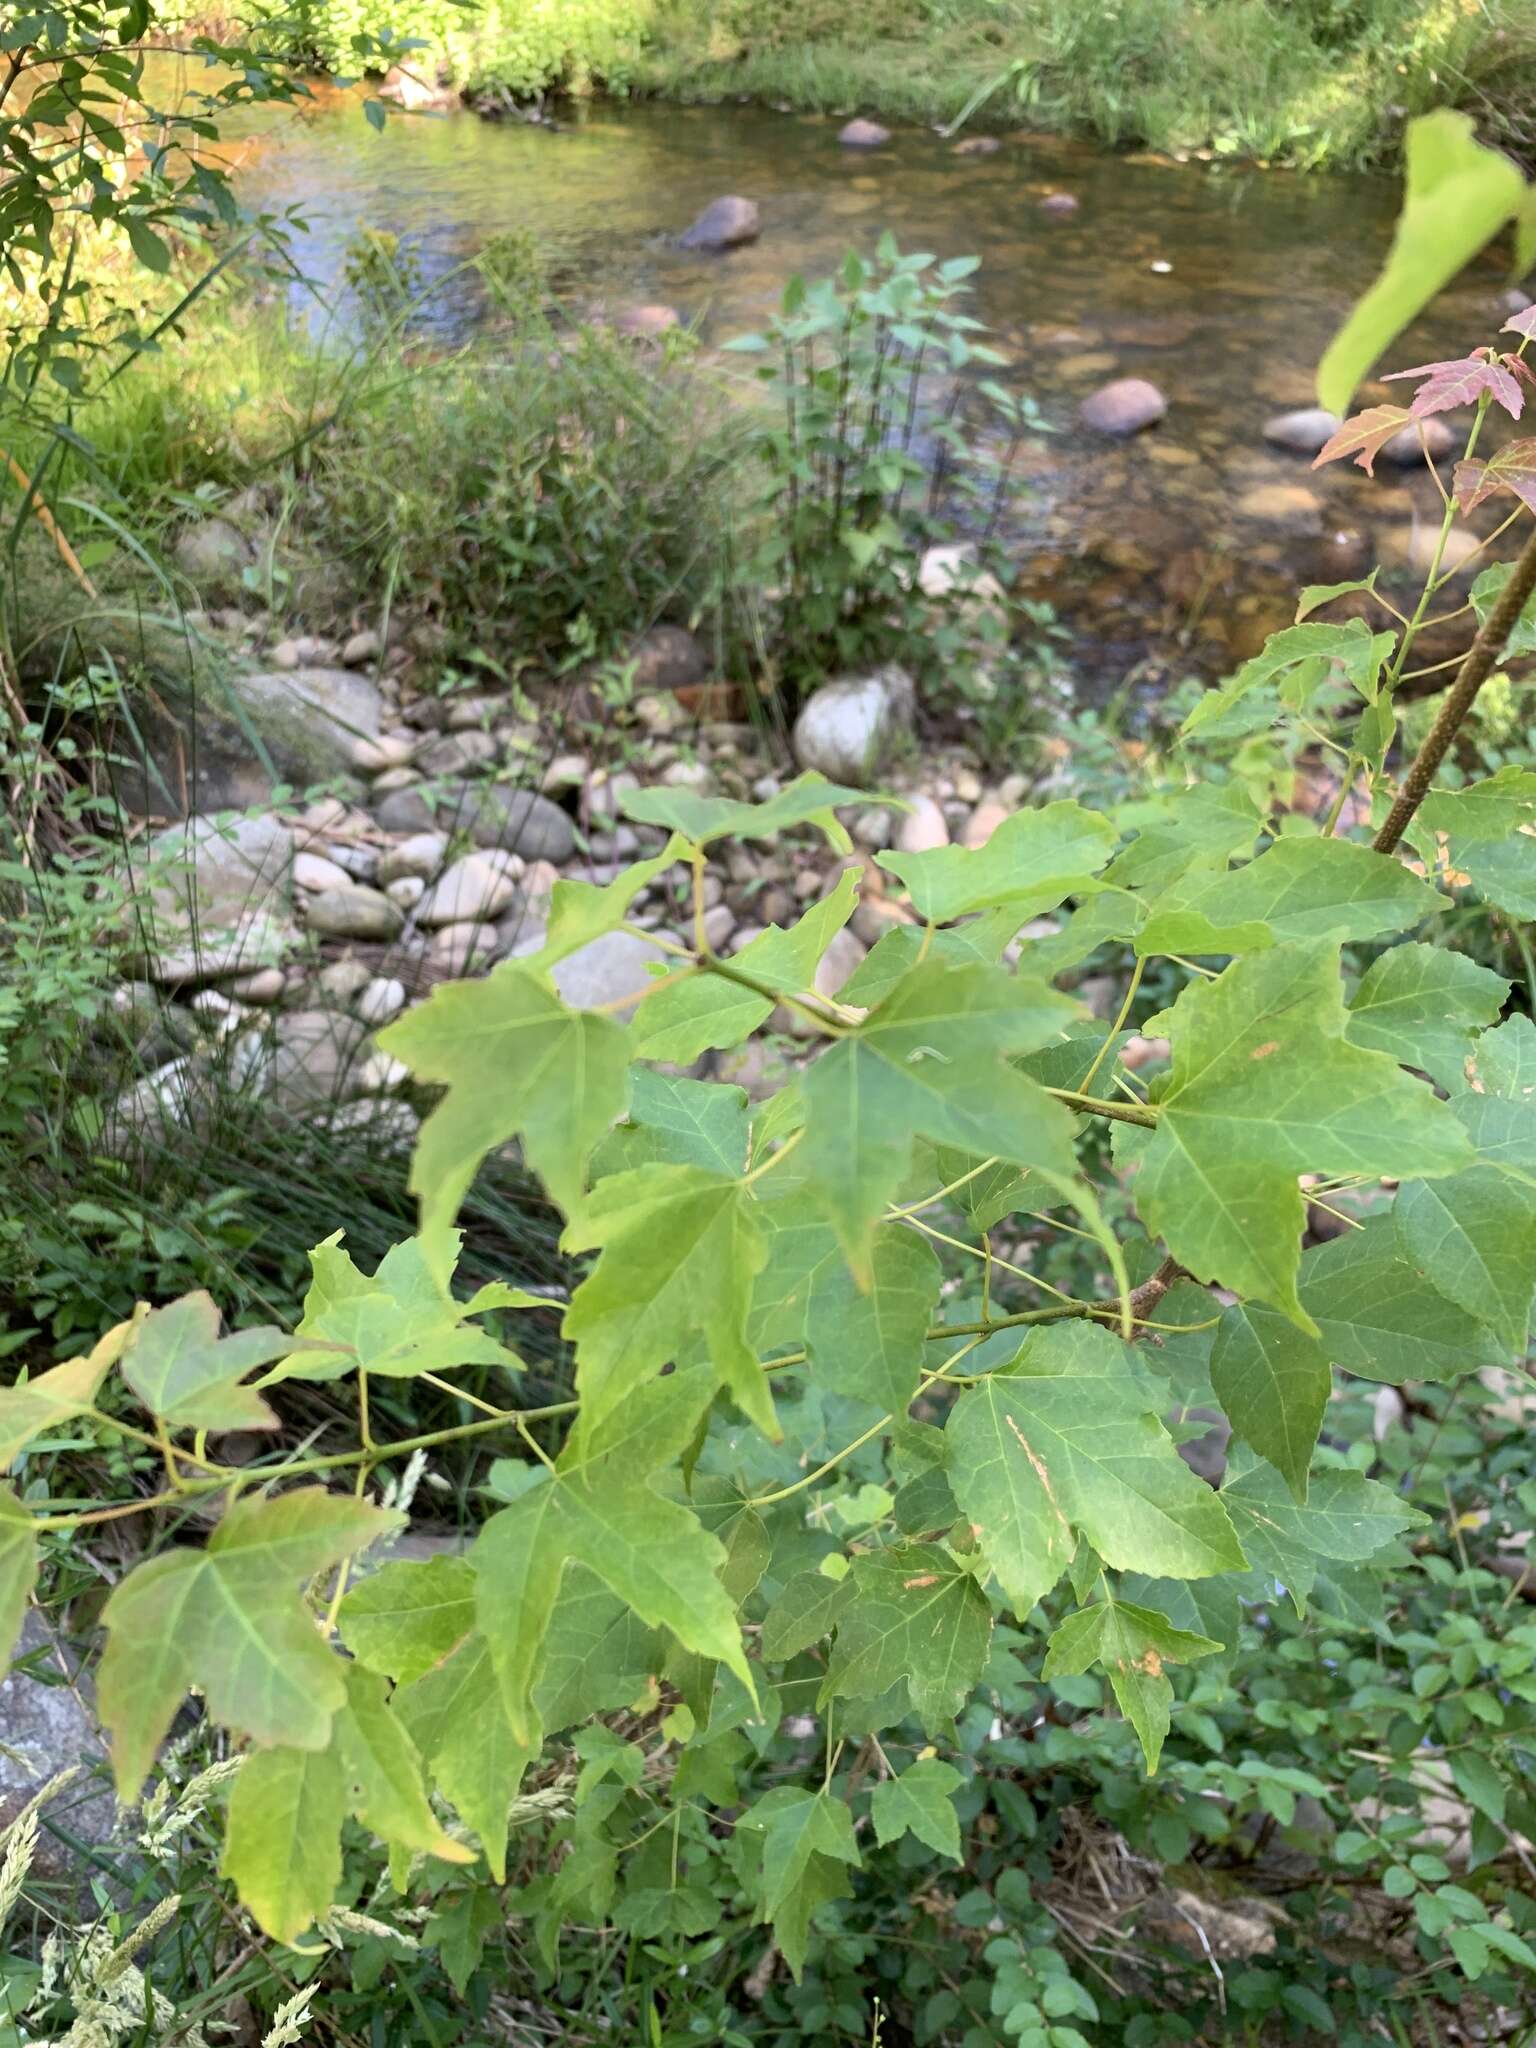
pixel 1037 1464
pixel 1262 1052
pixel 1150 1663
pixel 922 1579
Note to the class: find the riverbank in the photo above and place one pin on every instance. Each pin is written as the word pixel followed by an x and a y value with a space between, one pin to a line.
pixel 1301 82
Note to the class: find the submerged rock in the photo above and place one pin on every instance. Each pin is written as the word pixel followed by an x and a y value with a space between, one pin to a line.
pixel 977 145
pixel 1305 431
pixel 646 323
pixel 1061 204
pixel 1123 407
pixel 846 729
pixel 724 224
pixel 861 134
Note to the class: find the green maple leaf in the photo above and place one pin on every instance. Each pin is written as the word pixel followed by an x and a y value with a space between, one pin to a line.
pixel 1067 1439
pixel 808 800
pixel 652 1552
pixel 1476 1233
pixel 680 1248
pixel 516 1063
pixel 929 1062
pixel 1033 861
pixel 382 1774
pixel 598 1654
pixel 18 1568
pixel 918 1620
pixel 807 1842
pixel 1425 1007
pixel 456 1716
pixel 1265 1087
pixel 1273 1383
pixel 696 1009
pixel 400 1320
pixel 676 1122
pixel 871 1343
pixel 1299 659
pixel 1206 826
pixel 408 1617
pixel 184 1372
pixel 1458 195
pixel 1346 1519
pixel 230 1620
pixel 1503 1063
pixel 1379 1315
pixel 1133 1644
pixel 919 1803
pixel 282 1845
pixel 1300 889
pixel 805 1612
pixel 580 912
pixel 36 1406
pixel 1487 811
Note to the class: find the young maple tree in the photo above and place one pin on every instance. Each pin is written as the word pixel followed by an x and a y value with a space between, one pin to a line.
pixel 772 1270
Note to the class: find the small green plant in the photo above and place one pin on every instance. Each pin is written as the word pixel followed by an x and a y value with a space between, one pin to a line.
pixel 863 472
pixel 382 274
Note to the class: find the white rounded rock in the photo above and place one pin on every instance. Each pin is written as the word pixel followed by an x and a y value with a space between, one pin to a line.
pixel 472 891
pixel 382 999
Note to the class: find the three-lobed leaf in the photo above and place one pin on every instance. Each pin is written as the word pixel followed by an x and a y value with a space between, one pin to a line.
pixel 1134 1645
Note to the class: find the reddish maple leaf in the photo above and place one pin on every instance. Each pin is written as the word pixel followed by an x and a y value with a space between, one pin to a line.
pixel 1460 382
pixel 1513 469
pixel 1523 323
pixel 1365 435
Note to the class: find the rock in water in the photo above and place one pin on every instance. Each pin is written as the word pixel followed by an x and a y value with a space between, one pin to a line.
pixel 1406 448
pixel 977 145
pixel 1123 407
pixel 862 134
pixel 724 224
pixel 845 730
pixel 1303 432
pixel 1060 204
pixel 646 323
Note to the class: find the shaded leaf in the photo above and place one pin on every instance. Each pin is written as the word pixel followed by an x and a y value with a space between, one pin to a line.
pixel 1273 1382
pixel 1476 1233
pixel 18 1568
pixel 929 1062
pixel 515 1063
pixel 870 1343
pixel 1299 889
pixel 382 1775
pixel 184 1372
pixel 806 1612
pixel 919 1803
pixel 917 1619
pixel 580 912
pixel 1424 1006
pixel 456 1715
pixel 408 1617
pixel 680 1247
pixel 1512 469
pixel 283 1838
pixel 1067 1439
pixel 35 1406
pixel 1378 1315
pixel 1264 1087
pixel 1032 862
pixel 677 1122
pixel 1346 1517
pixel 1133 1644
pixel 809 800
pixel 230 1620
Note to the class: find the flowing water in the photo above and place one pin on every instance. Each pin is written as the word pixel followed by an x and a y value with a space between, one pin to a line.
pixel 1175 551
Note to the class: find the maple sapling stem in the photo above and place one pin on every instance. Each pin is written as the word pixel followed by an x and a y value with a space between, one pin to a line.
pixel 1411 630
pixel 1118 1026
pixel 1475 670
pixel 774 1159
pixel 1122 1112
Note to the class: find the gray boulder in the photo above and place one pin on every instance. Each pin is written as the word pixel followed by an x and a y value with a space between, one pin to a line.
pixel 49 1725
pixel 667 658
pixel 724 224
pixel 214 899
pixel 243 733
pixel 313 1060
pixel 492 813
pixel 845 730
